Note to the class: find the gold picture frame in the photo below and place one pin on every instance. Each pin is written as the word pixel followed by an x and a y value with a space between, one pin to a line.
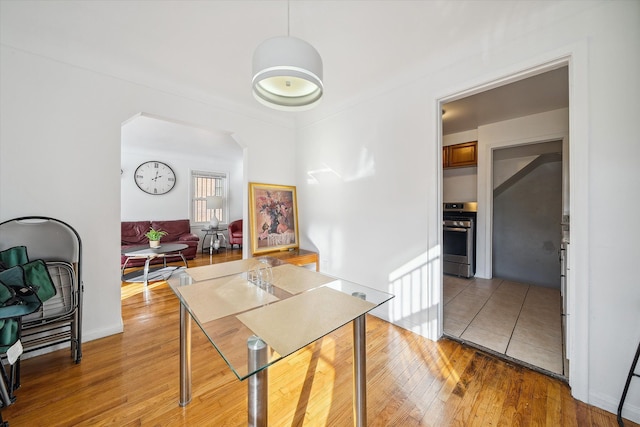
pixel 273 218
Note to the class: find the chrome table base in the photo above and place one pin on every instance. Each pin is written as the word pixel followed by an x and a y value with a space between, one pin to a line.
pixel 258 391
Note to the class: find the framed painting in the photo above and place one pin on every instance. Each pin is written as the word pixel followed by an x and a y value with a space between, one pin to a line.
pixel 273 217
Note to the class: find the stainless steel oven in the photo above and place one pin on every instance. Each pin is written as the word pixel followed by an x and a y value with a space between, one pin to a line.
pixel 459 238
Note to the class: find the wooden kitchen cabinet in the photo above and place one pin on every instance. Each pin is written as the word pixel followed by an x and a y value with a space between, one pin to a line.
pixel 459 155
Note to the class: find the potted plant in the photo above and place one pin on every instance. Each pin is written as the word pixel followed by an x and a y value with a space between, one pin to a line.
pixel 154 237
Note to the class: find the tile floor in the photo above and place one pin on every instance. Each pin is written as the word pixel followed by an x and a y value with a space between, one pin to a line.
pixel 520 321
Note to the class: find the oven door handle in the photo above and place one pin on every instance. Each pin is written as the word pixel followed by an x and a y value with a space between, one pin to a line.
pixel 463 230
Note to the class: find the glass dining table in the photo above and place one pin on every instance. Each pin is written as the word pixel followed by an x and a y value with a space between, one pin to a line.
pixel 258 311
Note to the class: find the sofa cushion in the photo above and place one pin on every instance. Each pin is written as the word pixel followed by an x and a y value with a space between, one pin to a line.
pixel 174 228
pixel 132 232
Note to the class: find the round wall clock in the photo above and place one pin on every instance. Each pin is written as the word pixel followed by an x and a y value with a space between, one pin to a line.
pixel 155 177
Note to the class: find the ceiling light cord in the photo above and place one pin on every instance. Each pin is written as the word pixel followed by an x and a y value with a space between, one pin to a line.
pixel 288 18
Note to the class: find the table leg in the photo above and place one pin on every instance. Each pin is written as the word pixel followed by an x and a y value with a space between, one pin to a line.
pixel 359 371
pixel 258 393
pixel 223 241
pixel 185 356
pixel 125 265
pixel 211 244
pixel 146 271
pixel 186 264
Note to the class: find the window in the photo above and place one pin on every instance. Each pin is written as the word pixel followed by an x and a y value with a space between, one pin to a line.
pixel 207 184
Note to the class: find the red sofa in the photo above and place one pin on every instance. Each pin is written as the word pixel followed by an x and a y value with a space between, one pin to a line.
pixel 132 233
pixel 235 233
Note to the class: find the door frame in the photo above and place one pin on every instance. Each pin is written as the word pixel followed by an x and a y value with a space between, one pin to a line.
pixel 575 56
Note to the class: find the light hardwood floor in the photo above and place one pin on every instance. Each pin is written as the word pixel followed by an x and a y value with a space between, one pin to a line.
pixel 131 379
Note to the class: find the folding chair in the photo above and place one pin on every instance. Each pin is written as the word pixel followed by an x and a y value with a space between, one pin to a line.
pixel 23 288
pixel 59 245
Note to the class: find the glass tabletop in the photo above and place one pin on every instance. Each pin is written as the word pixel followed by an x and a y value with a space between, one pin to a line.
pixel 281 305
pixel 146 250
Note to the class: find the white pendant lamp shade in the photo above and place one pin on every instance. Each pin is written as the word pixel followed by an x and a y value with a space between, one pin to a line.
pixel 287 74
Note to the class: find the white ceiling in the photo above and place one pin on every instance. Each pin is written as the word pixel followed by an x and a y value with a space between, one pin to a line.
pixel 203 49
pixel 146 133
pixel 543 92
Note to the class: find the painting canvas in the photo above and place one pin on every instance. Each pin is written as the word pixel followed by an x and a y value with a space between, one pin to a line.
pixel 273 216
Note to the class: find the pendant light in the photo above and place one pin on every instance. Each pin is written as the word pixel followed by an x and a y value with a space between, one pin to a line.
pixel 287 73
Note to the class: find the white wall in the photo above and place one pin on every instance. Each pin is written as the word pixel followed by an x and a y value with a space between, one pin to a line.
pixel 368 200
pixel 138 206
pixel 60 157
pixel 372 206
pixel 460 184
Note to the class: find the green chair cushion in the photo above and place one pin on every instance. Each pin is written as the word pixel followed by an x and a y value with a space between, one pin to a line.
pixel 37 276
pixel 24 285
pixel 14 256
pixel 9 334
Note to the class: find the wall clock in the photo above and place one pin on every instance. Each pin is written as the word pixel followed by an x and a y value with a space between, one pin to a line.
pixel 155 177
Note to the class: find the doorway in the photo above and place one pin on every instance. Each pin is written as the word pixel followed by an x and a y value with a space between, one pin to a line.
pixel 527 213
pixel 475 310
pixel 196 155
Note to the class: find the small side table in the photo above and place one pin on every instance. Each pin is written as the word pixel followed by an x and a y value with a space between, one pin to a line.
pixel 214 233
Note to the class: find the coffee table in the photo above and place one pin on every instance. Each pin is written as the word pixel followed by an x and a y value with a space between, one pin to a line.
pixel 150 253
pixel 257 311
